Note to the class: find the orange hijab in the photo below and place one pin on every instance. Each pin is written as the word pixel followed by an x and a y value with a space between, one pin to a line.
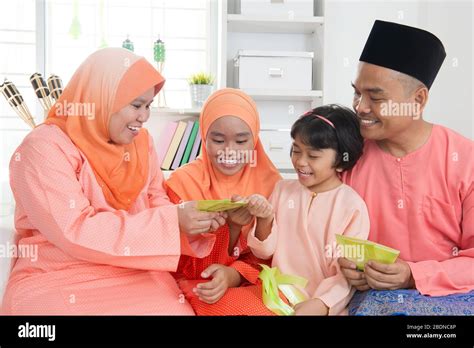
pixel 106 82
pixel 199 180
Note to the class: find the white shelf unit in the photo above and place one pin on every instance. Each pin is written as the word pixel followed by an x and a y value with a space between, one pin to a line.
pixel 286 174
pixel 278 108
pixel 252 24
pixel 179 112
pixel 287 95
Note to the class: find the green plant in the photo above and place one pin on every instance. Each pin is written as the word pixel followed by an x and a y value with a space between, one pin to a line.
pixel 201 79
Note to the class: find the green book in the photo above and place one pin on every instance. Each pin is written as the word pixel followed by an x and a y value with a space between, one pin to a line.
pixel 189 145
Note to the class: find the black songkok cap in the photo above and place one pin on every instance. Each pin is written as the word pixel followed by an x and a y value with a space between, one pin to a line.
pixel 408 50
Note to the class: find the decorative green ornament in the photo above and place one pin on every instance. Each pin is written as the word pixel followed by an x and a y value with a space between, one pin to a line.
pixel 128 44
pixel 75 28
pixel 159 51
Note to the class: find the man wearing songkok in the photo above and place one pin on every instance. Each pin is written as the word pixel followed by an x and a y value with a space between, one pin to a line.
pixel 416 177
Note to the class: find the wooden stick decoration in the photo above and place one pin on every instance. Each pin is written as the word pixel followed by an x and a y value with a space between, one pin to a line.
pixel 14 98
pixel 55 85
pixel 41 91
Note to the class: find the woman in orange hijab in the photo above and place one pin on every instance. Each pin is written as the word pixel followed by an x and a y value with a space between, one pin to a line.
pixel 91 204
pixel 232 164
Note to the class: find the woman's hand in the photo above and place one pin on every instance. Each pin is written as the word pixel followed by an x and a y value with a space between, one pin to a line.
pixel 239 216
pixel 223 277
pixel 259 206
pixel 193 221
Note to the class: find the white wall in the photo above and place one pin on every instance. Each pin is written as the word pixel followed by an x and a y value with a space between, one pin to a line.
pixel 348 23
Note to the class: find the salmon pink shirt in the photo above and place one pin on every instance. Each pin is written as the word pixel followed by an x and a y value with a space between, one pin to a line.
pixel 91 258
pixel 423 205
pixel 303 237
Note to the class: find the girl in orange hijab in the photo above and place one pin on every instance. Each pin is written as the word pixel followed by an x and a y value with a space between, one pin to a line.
pixel 232 164
pixel 90 201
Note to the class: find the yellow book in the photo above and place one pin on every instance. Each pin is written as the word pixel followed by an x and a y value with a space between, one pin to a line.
pixel 178 135
pixel 360 251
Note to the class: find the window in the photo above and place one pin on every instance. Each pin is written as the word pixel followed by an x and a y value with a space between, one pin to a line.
pixel 18 56
pixel 17 63
pixel 55 36
pixel 77 28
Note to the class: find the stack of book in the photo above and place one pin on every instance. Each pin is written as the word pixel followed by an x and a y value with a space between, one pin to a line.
pixel 179 143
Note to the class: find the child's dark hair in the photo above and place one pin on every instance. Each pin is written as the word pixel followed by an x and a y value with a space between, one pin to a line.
pixel 344 137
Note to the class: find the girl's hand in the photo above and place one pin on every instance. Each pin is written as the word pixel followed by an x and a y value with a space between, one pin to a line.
pixel 354 277
pixel 311 307
pixel 259 206
pixel 223 277
pixel 193 221
pixel 239 216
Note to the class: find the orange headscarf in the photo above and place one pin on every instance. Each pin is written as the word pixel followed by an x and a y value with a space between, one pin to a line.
pixel 199 180
pixel 107 81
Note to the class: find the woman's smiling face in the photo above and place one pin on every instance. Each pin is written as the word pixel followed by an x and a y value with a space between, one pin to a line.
pixel 229 142
pixel 125 124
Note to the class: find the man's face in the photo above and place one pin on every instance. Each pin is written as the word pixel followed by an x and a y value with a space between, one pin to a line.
pixel 384 104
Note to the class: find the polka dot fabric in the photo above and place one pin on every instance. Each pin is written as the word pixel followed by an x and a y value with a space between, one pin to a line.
pixel 244 300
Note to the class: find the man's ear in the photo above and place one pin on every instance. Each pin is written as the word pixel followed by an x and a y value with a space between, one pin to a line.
pixel 421 99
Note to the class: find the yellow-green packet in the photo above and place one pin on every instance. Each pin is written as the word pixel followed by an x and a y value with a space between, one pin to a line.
pixel 219 205
pixel 360 251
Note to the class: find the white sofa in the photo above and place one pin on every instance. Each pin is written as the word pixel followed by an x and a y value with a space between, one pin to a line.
pixel 6 236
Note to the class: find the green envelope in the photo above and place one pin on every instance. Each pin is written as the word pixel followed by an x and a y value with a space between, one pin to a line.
pixel 361 251
pixel 219 205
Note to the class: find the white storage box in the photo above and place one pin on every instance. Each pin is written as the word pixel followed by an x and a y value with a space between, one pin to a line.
pixel 277 145
pixel 275 70
pixel 277 8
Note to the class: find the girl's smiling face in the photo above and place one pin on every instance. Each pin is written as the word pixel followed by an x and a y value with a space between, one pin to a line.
pixel 228 141
pixel 315 167
pixel 125 124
